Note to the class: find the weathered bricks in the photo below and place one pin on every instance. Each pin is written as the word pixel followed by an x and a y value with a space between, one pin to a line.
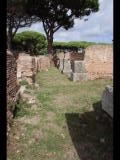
pixel 12 87
pixel 96 62
pixel 99 61
pixel 28 66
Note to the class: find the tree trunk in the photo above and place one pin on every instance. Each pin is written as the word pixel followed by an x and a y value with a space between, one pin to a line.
pixel 9 40
pixel 50 48
pixel 9 43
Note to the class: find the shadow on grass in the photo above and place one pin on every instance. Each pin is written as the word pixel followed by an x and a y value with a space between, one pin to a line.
pixel 70 79
pixel 91 134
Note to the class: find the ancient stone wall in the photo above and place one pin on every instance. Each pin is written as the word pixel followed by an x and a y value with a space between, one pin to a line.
pixel 96 62
pixel 12 87
pixel 74 56
pixel 99 61
pixel 28 66
pixel 65 59
pixel 78 71
pixel 43 62
pixel 71 56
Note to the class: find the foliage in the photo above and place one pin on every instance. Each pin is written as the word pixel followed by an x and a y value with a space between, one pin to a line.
pixel 23 82
pixel 17 18
pixel 29 41
pixel 74 45
pixel 21 109
pixel 43 51
pixel 56 14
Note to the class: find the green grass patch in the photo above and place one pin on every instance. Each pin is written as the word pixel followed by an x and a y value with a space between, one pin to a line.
pixel 23 82
pixel 69 122
pixel 22 109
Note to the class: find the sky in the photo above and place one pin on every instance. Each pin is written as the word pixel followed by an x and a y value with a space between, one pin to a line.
pixel 98 28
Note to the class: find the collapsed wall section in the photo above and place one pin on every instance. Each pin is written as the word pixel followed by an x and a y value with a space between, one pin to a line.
pixel 64 61
pixel 28 66
pixel 95 63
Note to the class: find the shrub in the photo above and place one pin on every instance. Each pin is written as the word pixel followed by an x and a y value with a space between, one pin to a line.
pixel 73 45
pixel 29 41
pixel 43 51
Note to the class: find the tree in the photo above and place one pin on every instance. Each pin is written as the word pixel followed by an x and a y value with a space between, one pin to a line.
pixel 29 41
pixel 55 14
pixel 16 18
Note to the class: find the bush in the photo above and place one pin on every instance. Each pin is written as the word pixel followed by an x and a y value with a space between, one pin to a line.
pixel 43 51
pixel 29 41
pixel 73 45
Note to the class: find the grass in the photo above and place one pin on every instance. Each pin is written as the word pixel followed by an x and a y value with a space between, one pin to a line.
pixel 23 82
pixel 68 122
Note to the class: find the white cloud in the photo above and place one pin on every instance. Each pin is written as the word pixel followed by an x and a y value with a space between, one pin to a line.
pixel 99 26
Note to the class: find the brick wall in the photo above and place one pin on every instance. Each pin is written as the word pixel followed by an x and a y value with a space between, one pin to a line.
pixel 99 61
pixel 12 87
pixel 70 55
pixel 76 56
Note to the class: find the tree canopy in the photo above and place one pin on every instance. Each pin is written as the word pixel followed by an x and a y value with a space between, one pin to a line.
pixel 30 41
pixel 56 14
pixel 17 18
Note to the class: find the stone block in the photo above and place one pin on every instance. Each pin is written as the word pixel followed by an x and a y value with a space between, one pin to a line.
pixel 67 67
pixel 78 76
pixel 107 100
pixel 78 67
pixel 61 64
pixel 67 73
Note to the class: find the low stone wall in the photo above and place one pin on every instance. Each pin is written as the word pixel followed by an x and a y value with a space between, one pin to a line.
pixel 96 62
pixel 67 67
pixel 28 66
pixel 43 62
pixel 70 56
pixel 63 55
pixel 78 71
pixel 107 100
pixel 12 87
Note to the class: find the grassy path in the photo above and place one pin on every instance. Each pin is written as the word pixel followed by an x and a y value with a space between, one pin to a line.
pixel 66 123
